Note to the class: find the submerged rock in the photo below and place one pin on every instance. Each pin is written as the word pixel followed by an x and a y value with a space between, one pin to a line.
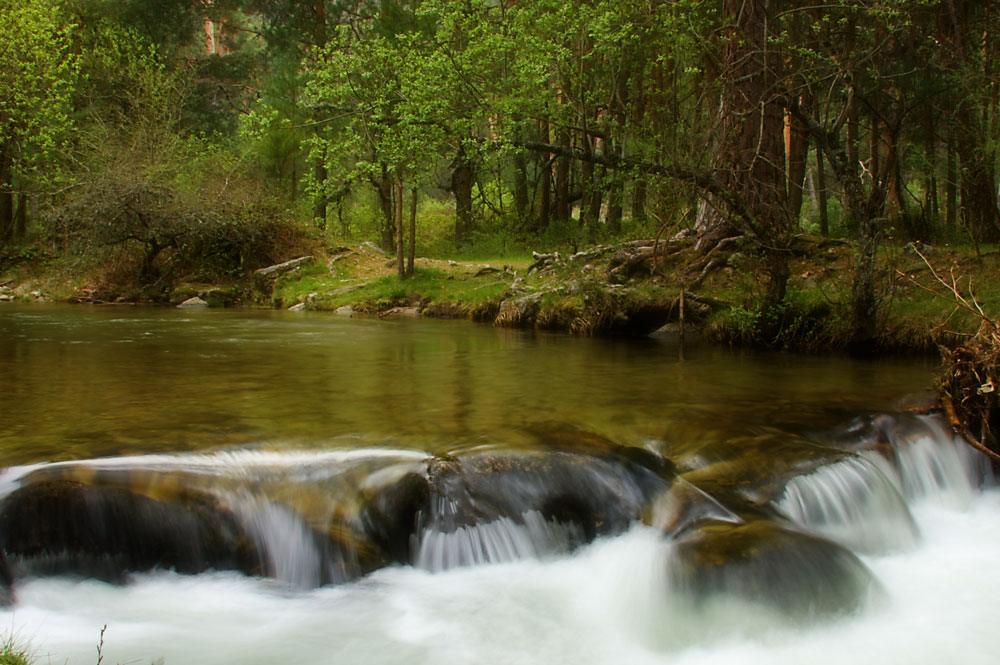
pixel 801 575
pixel 63 526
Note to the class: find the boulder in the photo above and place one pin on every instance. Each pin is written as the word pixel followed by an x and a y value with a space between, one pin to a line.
pixel 801 575
pixel 64 526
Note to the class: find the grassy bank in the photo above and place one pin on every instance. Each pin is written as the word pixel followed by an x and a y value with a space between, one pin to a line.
pixel 623 289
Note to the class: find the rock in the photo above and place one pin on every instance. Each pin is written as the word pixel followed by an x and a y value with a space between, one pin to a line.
pixel 801 575
pixel 64 526
pixel 300 307
pixel 400 313
pixel 373 248
pixel 597 492
pixel 5 298
pixel 345 310
pixel 283 268
pixel 193 302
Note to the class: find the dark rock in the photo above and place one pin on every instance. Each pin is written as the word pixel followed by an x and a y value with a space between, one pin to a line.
pixel 602 494
pixel 389 518
pixel 801 575
pixel 62 526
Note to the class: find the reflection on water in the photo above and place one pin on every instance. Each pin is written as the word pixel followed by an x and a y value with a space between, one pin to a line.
pixel 80 382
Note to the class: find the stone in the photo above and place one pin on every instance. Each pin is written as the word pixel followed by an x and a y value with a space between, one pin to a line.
pixel 64 526
pixel 345 310
pixel 300 307
pixel 194 302
pixel 801 575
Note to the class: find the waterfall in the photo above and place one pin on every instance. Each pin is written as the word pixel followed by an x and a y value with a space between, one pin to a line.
pixel 863 501
pixel 500 541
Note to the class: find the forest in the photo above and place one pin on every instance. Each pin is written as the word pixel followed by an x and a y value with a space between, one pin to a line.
pixel 147 139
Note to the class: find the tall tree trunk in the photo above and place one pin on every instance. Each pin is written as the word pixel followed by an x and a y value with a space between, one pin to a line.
pixel 561 212
pixel 640 190
pixel 798 157
pixel 6 196
pixel 388 226
pixel 400 236
pixel 320 203
pixel 589 189
pixel 411 253
pixel 951 184
pixel 21 216
pixel 821 195
pixel 752 151
pixel 545 181
pixel 462 180
pixel 616 207
pixel 522 202
pixel 931 207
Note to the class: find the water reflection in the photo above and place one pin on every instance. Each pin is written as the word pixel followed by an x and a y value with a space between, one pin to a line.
pixel 86 381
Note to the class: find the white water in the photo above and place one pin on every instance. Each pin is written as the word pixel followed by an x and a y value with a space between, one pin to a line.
pixel 607 603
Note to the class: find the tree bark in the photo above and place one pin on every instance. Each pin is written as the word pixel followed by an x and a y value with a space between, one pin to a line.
pixel 462 180
pixel 798 156
pixel 751 156
pixel 412 249
pixel 21 216
pixel 400 237
pixel 521 200
pixel 561 211
pixel 821 195
pixel 383 188
pixel 6 196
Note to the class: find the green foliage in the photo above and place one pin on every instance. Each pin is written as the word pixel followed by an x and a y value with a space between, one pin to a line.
pixel 38 73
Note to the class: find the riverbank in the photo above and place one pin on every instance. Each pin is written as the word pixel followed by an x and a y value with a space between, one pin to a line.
pixel 627 289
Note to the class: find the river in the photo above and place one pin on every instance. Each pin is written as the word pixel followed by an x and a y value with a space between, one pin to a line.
pixel 166 392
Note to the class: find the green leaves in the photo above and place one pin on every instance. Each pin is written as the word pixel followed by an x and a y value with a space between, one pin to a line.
pixel 37 77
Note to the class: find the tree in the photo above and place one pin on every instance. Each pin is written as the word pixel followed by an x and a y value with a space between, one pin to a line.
pixel 37 77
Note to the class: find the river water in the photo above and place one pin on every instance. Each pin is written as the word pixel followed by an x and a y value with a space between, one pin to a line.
pixel 169 390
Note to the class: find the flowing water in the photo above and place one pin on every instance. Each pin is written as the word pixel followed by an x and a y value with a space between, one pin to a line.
pixel 289 420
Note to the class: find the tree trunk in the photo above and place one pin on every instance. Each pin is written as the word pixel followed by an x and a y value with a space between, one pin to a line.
pixel 412 249
pixel 21 216
pixel 821 195
pixel 400 237
pixel 613 222
pixel 320 204
pixel 545 184
pixel 6 197
pixel 752 150
pixel 639 193
pixel 951 185
pixel 561 212
pixel 521 199
pixel 388 226
pixel 798 156
pixel 462 180
pixel 588 184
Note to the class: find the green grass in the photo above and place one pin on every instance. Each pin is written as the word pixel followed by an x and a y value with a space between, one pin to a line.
pixel 13 653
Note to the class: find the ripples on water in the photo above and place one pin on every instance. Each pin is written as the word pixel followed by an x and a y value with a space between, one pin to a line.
pixel 249 402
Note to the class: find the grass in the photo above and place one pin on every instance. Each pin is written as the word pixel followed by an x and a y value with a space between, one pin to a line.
pixel 13 652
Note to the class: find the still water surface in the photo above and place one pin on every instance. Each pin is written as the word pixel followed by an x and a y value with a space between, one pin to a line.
pixel 81 383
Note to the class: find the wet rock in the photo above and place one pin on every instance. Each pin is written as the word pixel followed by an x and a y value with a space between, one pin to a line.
pixel 600 494
pixel 345 310
pixel 389 518
pixel 299 307
pixel 62 526
pixel 192 303
pixel 803 576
